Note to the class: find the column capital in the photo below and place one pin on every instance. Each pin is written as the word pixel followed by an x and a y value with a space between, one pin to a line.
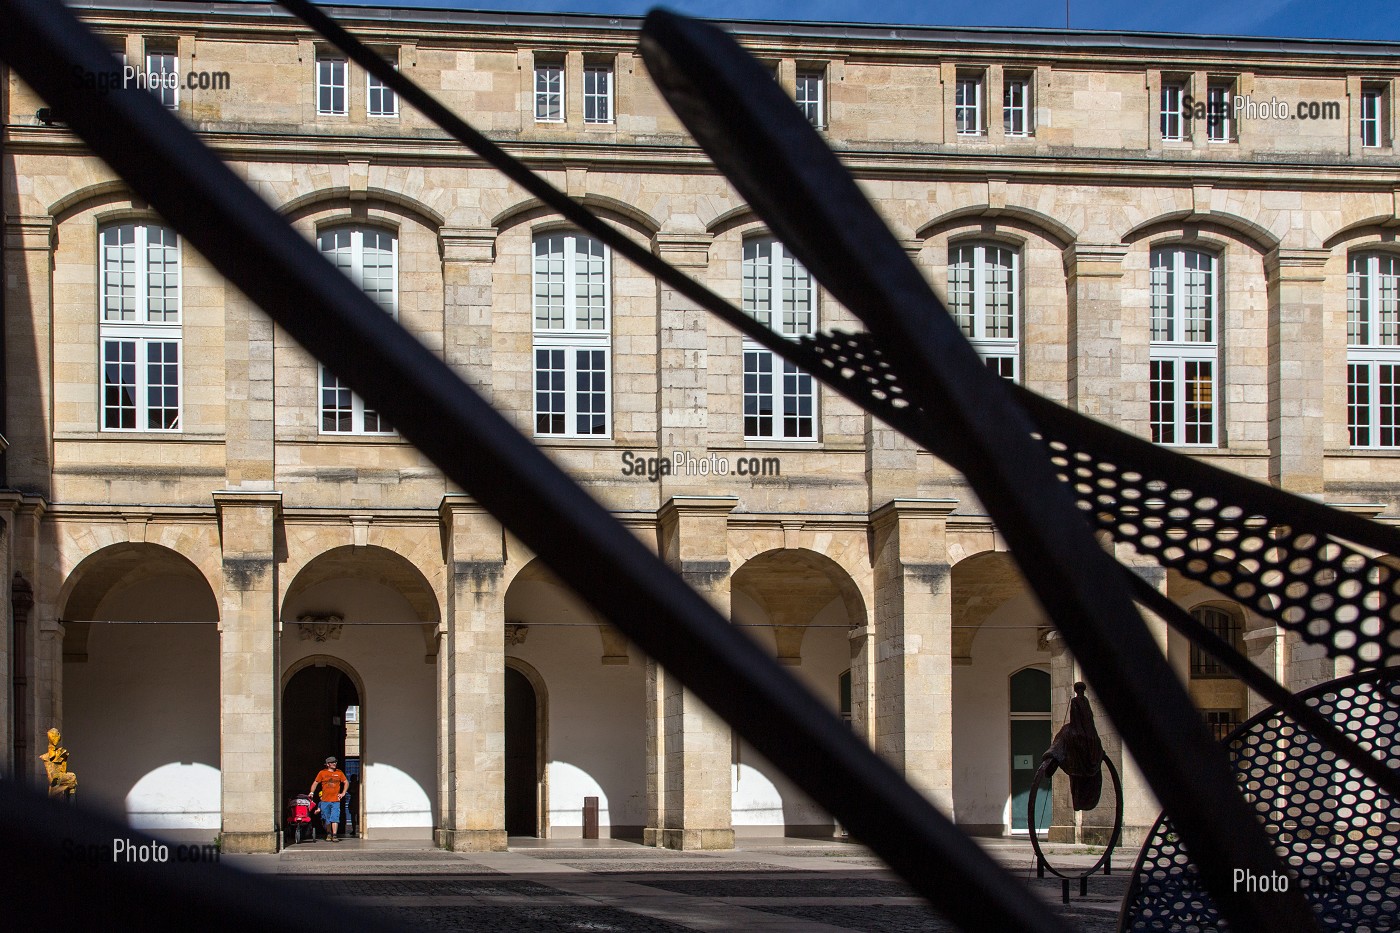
pixel 28 232
pixel 252 498
pixel 467 244
pixel 1297 264
pixel 897 509
pixel 1095 259
pixel 458 503
pixel 678 506
pixel 683 250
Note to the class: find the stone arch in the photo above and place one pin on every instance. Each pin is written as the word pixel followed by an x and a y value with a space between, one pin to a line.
pixel 302 204
pixel 125 565
pixel 90 196
pixel 1256 235
pixel 1012 216
pixel 810 579
pixel 608 208
pixel 981 584
pixel 1383 224
pixel 738 216
pixel 371 563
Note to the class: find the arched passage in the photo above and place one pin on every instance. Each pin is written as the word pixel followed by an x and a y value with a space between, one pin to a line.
pixel 801 605
pixel 321 712
pixel 997 628
pixel 371 613
pixel 141 688
pixel 526 750
pixel 590 734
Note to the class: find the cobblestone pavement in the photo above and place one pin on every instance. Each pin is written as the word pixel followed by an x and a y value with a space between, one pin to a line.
pixel 768 886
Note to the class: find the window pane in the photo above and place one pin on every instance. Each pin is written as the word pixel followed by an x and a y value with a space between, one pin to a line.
pixel 758 393
pixel 797 298
pixel 1198 402
pixel 549 282
pixel 999 289
pixel 1224 626
pixel 1359 300
pixel 1162 404
pixel 1387 301
pixel 1388 405
pixel 119 384
pixel 163 385
pixel 758 280
pixel 549 392
pixel 1016 107
pixel 383 102
pixel 549 93
pixel 967 109
pixel 1359 404
pixel 337 405
pixel 377 265
pixel 1199 304
pixel 590 284
pixel 1218 103
pixel 809 96
pixel 591 387
pixel 162 70
pixel 330 85
pixel 1171 112
pixel 797 402
pixel 1163 295
pixel 162 276
pixel 960 264
pixel 119 273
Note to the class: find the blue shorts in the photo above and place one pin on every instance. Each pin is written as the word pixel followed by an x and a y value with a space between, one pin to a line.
pixel 330 811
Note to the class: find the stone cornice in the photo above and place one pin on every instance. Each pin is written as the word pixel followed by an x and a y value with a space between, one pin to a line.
pixel 467 244
pixel 28 232
pixel 897 509
pixel 1297 264
pixel 697 505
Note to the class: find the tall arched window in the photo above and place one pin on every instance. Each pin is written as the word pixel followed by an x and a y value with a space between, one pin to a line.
pixel 779 399
pixel 572 346
pixel 369 256
pixel 1226 626
pixel 984 288
pixel 1373 350
pixel 140 327
pixel 1184 347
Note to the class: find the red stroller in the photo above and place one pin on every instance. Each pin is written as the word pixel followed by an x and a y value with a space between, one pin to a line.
pixel 300 813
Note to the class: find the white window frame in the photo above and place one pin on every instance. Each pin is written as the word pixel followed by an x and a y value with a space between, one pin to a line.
pixel 1373 344
pixel 551 70
pixel 575 333
pixel 963 109
pixel 1220 125
pixel 968 302
pixel 1372 117
pixel 374 86
pixel 140 330
pixel 810 93
pixel 602 102
pixel 1176 342
pixel 163 60
pixel 765 290
pixel 326 80
pixel 328 382
pixel 1171 120
pixel 1012 109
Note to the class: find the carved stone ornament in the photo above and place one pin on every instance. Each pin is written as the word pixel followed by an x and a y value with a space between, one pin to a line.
pixel 516 632
pixel 320 627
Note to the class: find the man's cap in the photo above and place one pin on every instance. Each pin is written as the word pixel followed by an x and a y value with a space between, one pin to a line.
pixel 330 760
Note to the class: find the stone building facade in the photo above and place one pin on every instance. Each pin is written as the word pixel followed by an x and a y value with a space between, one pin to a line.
pixel 222 564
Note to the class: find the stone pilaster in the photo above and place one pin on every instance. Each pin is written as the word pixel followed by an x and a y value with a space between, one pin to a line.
pixel 28 264
pixel 682 340
pixel 467 255
pixel 1064 824
pixel 690 750
pixel 249 671
pixel 37 667
pixel 1297 368
pixel 1264 648
pixel 249 414
pixel 474 817
pixel 914 643
pixel 1094 277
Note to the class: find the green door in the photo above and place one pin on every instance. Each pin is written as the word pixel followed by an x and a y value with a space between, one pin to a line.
pixel 1030 737
pixel 1029 740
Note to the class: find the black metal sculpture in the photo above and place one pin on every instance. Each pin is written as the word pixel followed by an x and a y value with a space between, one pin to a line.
pixel 1040 469
pixel 1078 751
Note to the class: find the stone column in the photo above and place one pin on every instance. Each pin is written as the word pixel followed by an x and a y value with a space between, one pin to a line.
pixel 1297 369
pixel 475 815
pixel 682 341
pixel 1094 274
pixel 1264 648
pixel 467 254
pixel 914 643
pixel 1064 823
pixel 690 749
pixel 28 261
pixel 38 666
pixel 249 413
pixel 249 671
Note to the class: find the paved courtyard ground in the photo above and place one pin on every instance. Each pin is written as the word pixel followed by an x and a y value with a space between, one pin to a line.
pixel 763 886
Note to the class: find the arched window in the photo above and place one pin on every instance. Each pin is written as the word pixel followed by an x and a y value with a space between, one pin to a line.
pixel 573 321
pixel 779 399
pixel 1184 347
pixel 1373 350
pixel 984 288
pixel 140 327
pixel 1031 728
pixel 369 256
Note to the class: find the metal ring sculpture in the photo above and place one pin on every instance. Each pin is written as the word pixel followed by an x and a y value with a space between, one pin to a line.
pixel 1105 861
pixel 1334 825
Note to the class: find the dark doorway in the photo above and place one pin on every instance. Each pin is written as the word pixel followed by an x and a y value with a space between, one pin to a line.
pixel 522 756
pixel 314 708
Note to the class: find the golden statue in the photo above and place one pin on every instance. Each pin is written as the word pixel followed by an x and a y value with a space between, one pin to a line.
pixel 62 783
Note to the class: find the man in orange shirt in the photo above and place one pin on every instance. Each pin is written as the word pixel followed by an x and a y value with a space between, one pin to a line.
pixel 332 782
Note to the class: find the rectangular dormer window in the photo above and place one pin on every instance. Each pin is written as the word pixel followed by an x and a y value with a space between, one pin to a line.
pixel 967 103
pixel 549 90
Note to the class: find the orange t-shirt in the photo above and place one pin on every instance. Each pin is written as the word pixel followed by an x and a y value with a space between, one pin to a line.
pixel 332 784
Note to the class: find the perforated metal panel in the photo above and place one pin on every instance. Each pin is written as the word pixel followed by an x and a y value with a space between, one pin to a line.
pixel 1335 828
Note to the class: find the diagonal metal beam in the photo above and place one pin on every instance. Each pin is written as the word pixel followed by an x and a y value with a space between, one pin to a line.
pixel 254 248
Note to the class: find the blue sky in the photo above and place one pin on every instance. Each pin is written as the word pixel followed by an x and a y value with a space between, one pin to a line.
pixel 1316 19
